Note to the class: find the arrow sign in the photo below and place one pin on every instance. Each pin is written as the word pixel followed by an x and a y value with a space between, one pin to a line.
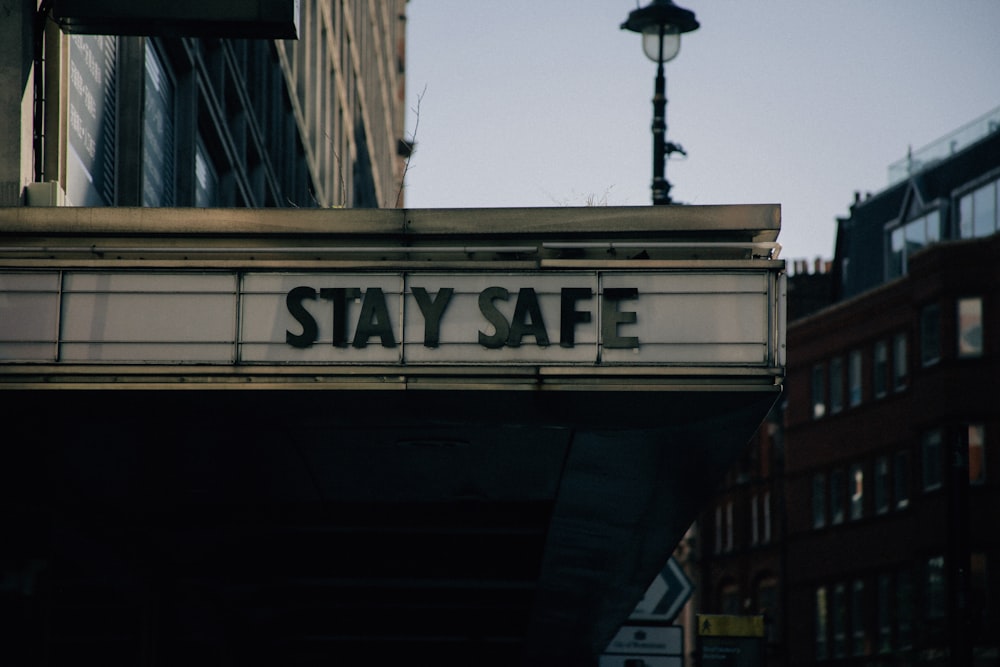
pixel 665 596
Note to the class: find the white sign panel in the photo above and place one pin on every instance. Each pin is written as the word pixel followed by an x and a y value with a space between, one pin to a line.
pixel 591 318
pixel 640 660
pixel 648 640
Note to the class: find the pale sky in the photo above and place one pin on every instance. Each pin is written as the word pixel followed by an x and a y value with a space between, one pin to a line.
pixel 795 102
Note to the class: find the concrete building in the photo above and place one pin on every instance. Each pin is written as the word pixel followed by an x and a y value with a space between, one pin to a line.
pixel 881 463
pixel 236 435
pixel 153 118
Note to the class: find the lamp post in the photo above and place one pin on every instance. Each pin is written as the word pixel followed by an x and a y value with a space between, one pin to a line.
pixel 661 24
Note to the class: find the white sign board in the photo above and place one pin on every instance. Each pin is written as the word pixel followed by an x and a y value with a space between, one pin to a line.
pixel 648 639
pixel 641 660
pixel 685 318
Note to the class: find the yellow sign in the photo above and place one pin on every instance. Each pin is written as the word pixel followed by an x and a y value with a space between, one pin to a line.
pixel 720 625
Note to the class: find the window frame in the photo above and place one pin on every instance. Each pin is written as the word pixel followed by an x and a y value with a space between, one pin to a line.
pixel 932 460
pixel 840 630
pixel 819 401
pixel 880 369
pixel 908 236
pixel 883 486
pixel 821 619
pixel 838 497
pixel 935 591
pixel 901 480
pixel 766 537
pixel 977 453
pixel 856 498
pixel 930 334
pixel 900 362
pixel 164 70
pixel 836 385
pixel 819 501
pixel 859 633
pixel 964 327
pixel 884 613
pixel 855 383
pixel 904 607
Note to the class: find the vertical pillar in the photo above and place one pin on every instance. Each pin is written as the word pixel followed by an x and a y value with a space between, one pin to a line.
pixel 17 40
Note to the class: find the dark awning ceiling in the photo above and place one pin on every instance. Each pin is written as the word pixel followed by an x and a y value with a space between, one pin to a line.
pixel 301 527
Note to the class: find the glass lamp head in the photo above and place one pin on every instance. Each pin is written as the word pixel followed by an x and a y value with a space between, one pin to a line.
pixel 654 36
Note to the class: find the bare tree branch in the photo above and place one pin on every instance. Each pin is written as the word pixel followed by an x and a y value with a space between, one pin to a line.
pixel 413 143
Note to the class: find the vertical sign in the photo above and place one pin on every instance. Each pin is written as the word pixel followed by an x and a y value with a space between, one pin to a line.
pixel 90 179
pixel 730 641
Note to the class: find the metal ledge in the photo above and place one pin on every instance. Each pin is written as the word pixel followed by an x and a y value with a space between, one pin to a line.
pixel 251 19
pixel 758 223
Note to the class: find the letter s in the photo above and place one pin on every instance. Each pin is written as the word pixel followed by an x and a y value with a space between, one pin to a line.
pixel 298 311
pixel 494 316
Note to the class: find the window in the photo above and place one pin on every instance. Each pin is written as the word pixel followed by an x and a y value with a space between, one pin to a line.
pixel 978 581
pixel 93 123
pixel 895 265
pixel 818 391
pixel 839 621
pixel 206 191
pixel 984 210
pixel 970 327
pixel 857 483
pixel 900 365
pixel 977 454
pixel 767 516
pixel 882 485
pixel 822 624
pixel 767 605
pixel 724 528
pixel 931 461
pixel 838 485
pixel 884 613
pixel 904 609
pixel 880 369
pixel 729 600
pixel 905 240
pixel 729 526
pixel 934 599
pixel 858 639
pixel 965 217
pixel 718 529
pixel 854 378
pixel 157 133
pixel 901 480
pixel 836 385
pixel 819 500
pixel 930 334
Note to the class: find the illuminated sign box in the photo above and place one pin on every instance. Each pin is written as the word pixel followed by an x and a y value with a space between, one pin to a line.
pixel 399 318
pixel 262 19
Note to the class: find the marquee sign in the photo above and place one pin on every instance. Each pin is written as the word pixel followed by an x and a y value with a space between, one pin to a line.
pixel 404 318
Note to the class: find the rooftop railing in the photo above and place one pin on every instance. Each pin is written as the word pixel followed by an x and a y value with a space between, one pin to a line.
pixel 946 146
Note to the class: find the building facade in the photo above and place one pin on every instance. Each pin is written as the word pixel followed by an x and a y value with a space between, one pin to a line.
pixel 115 120
pixel 883 453
pixel 891 427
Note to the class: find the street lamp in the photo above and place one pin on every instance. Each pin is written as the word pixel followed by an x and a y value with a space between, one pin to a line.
pixel 661 24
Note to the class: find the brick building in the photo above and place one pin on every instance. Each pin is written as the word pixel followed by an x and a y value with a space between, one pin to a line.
pixel 861 520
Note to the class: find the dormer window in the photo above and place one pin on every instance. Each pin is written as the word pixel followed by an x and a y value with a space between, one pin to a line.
pixel 920 226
